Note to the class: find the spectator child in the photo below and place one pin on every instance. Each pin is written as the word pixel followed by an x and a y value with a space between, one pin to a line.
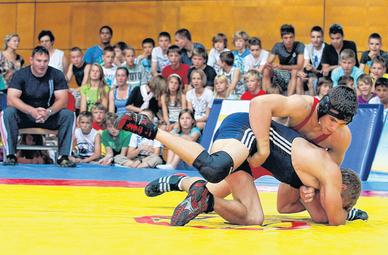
pixel 324 87
pixel 347 81
pixel 95 91
pixel 221 87
pixel 159 54
pixel 381 90
pixel 253 81
pixel 119 49
pixel 174 56
pixel 199 62
pixel 232 73
pixel 374 50
pixel 199 99
pixel 364 86
pixel 108 66
pixel 381 87
pixel 98 112
pixel 137 74
pixel 173 101
pixel 240 41
pixel 145 58
pixel 347 67
pixel 312 70
pixel 77 67
pixel 115 141
pixel 377 69
pixel 258 57
pixel 86 139
pixel 219 42
pixel 187 130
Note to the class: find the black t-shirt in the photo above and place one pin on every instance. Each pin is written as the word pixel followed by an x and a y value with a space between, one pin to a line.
pixel 136 99
pixel 288 57
pixel 330 56
pixel 79 73
pixel 38 91
pixel 210 75
pixel 365 59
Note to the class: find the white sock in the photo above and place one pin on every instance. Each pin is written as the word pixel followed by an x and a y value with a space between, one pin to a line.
pixel 180 182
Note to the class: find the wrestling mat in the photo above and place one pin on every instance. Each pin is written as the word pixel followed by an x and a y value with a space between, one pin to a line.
pixel 103 210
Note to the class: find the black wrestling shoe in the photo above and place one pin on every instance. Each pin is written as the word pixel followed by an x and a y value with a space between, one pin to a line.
pixel 199 200
pixel 163 184
pixel 357 214
pixel 11 160
pixel 64 161
pixel 137 123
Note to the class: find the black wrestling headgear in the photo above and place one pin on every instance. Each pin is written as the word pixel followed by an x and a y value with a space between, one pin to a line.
pixel 341 103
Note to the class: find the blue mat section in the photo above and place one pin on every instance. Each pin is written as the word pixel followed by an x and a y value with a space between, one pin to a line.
pixel 366 129
pixel 85 172
pixel 207 134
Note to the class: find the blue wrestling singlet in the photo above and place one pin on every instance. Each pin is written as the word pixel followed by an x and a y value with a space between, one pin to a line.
pixel 236 126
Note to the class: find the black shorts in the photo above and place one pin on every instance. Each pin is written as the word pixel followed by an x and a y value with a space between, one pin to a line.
pixel 279 163
pixel 236 126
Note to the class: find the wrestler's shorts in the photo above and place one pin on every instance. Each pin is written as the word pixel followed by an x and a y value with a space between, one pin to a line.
pixel 236 126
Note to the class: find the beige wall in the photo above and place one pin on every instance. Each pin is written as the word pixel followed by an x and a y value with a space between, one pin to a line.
pixel 76 23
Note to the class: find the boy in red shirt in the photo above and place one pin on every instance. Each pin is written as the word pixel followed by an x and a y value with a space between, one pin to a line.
pixel 253 81
pixel 176 67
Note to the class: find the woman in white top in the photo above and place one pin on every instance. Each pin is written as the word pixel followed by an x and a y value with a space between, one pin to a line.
pixel 57 57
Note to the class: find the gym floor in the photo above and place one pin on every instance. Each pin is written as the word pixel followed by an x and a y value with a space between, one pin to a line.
pixel 103 210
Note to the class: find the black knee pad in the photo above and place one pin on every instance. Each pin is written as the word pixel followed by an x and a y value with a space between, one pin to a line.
pixel 215 167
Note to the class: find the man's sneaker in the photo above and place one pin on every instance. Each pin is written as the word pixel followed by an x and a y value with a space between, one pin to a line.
pixel 164 184
pixel 64 161
pixel 198 200
pixel 357 214
pixel 10 160
pixel 137 123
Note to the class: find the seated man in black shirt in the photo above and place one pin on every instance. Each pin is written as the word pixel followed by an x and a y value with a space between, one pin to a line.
pixel 330 55
pixel 37 97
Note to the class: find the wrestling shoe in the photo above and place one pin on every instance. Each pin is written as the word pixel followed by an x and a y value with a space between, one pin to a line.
pixel 357 214
pixel 198 200
pixel 164 184
pixel 137 123
pixel 10 160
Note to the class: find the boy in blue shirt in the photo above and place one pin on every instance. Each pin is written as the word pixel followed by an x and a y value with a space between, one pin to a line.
pixel 347 67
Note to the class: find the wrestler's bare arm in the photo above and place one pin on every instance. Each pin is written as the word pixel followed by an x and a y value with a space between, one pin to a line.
pixel 315 168
pixel 340 142
pixel 288 199
pixel 315 209
pixel 261 111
